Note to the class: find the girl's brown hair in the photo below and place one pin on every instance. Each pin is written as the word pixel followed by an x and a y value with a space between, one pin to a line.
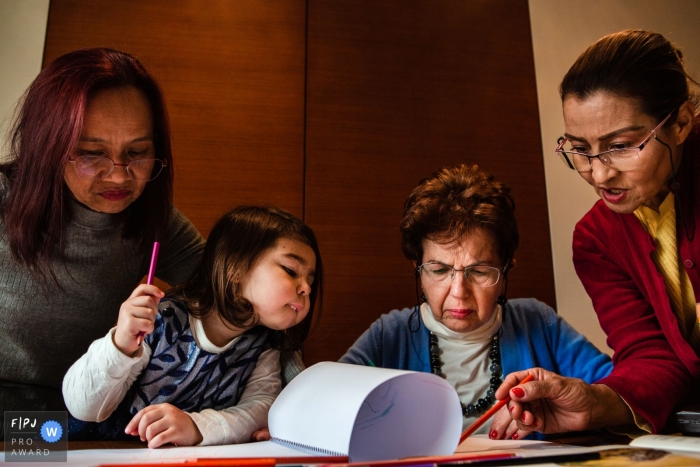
pixel 234 245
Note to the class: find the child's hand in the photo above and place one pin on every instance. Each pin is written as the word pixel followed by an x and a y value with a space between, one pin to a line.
pixel 261 435
pixel 164 423
pixel 137 315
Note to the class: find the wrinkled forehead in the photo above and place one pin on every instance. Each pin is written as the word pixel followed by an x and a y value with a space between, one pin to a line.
pixel 476 245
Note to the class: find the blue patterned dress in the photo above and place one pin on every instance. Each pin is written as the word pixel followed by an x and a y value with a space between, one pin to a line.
pixel 180 373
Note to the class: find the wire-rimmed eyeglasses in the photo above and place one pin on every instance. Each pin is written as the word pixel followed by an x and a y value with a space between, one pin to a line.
pixel 621 159
pixel 99 167
pixel 442 274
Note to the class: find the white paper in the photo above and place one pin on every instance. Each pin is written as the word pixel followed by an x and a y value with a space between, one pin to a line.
pixel 525 448
pixel 477 443
pixel 368 413
pixel 668 443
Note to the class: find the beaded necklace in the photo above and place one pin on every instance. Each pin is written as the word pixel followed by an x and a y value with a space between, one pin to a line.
pixel 481 405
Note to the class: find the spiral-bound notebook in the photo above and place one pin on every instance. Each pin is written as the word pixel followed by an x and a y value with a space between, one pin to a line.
pixel 366 413
pixel 359 412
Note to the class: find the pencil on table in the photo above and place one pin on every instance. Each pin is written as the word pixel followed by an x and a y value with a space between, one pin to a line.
pixel 489 413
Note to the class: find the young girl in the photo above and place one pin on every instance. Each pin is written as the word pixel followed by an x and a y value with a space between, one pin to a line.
pixel 208 369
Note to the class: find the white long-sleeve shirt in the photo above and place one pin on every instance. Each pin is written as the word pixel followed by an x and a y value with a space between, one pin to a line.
pixel 96 384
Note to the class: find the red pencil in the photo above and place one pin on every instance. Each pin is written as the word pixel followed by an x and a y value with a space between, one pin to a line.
pixel 246 462
pixel 489 413
pixel 428 460
pixel 293 460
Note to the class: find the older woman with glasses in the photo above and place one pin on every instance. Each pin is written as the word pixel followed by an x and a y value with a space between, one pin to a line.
pixel 87 191
pixel 460 232
pixel 632 134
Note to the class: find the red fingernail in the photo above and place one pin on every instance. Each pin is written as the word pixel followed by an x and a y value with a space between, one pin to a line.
pixel 515 436
pixel 518 392
pixel 522 417
pixel 493 434
pixel 534 423
pixel 511 409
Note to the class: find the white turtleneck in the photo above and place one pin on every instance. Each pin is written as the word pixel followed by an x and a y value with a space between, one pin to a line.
pixel 465 358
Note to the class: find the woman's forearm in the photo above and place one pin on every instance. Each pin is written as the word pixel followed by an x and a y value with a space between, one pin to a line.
pixel 610 409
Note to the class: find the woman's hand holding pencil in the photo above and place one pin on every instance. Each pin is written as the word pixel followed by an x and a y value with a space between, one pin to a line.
pixel 552 403
pixel 489 413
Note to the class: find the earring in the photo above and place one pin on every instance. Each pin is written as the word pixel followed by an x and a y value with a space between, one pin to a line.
pixel 423 298
pixel 502 300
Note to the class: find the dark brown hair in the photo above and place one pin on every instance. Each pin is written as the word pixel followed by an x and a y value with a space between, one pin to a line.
pixel 639 64
pixel 453 202
pixel 235 243
pixel 45 131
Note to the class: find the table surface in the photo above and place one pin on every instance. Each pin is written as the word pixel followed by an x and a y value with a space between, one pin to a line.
pixel 576 439
pixel 76 445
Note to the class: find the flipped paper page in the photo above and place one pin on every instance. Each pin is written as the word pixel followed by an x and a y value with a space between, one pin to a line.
pixel 367 413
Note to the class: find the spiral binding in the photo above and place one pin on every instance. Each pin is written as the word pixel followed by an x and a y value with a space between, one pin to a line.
pixel 307 449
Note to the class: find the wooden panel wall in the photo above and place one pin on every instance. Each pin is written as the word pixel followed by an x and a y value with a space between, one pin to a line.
pixel 396 90
pixel 233 77
pixel 335 110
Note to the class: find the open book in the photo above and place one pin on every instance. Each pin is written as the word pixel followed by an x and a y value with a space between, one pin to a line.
pixel 367 413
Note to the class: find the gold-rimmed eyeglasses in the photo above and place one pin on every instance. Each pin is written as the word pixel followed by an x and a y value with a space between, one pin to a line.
pixel 442 274
pixel 99 167
pixel 621 159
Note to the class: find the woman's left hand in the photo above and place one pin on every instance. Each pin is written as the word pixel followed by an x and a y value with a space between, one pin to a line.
pixel 164 423
pixel 504 427
pixel 555 404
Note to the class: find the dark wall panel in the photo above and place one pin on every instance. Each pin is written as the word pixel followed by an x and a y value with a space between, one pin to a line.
pixel 233 76
pixel 396 90
pixel 335 110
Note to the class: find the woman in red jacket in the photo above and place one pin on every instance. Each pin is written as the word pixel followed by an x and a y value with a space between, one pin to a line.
pixel 632 134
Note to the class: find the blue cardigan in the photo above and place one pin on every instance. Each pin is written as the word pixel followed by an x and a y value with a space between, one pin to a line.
pixel 532 335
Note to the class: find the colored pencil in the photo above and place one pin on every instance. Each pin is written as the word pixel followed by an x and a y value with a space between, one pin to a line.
pixel 489 413
pixel 149 279
pixel 427 460
pixel 245 462
pixel 154 260
pixel 288 461
pixel 519 460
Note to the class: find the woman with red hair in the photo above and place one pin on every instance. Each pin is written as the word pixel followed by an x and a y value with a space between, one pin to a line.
pixel 86 192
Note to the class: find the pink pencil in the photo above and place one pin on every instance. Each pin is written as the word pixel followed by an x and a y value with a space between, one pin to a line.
pixel 154 260
pixel 149 279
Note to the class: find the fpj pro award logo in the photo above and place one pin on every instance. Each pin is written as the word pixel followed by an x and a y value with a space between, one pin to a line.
pixel 36 436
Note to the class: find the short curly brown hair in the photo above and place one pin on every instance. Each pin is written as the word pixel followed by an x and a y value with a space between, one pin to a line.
pixel 454 201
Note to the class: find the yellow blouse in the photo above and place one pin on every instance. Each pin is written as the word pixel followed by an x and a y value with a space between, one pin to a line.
pixel 662 228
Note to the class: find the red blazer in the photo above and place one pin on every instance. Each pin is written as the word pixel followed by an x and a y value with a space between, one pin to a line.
pixel 654 367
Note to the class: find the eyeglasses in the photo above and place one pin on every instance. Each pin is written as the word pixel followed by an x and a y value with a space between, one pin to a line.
pixel 442 274
pixel 99 167
pixel 620 159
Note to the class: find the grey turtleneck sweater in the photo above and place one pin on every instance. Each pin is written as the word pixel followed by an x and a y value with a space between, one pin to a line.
pixel 44 329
